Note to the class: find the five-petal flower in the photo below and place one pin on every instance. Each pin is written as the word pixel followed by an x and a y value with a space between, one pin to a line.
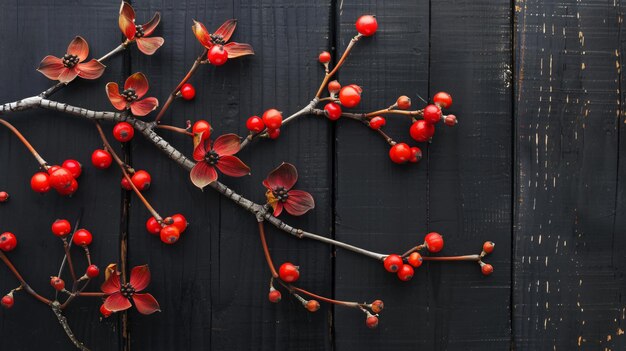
pixel 121 294
pixel 281 195
pixel 135 87
pixel 72 64
pixel 220 155
pixel 221 37
pixel 140 33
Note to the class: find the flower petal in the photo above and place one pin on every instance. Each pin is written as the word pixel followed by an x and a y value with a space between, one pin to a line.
pixel 79 47
pixel 199 152
pixel 127 26
pixel 127 10
pixel 232 166
pixel 149 45
pixel 299 202
pixel 226 29
pixel 284 176
pixel 140 277
pixel 118 101
pixel 112 284
pixel 90 70
pixel 51 67
pixel 143 107
pixel 199 30
pixel 116 302
pixel 203 174
pixel 151 25
pixel 278 209
pixel 139 83
pixel 227 144
pixel 68 75
pixel 146 303
pixel 238 49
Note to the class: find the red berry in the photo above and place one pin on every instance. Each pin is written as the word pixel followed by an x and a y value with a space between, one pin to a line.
pixel 377 122
pixel 141 179
pixel 8 242
pixel 392 263
pixel 273 133
pixel 371 322
pixel 53 168
pixel 486 268
pixel 432 114
pixel 333 111
pixel 488 246
pixel 39 182
pixel 105 312
pixel 255 124
pixel 187 91
pixel 415 259
pixel 422 131
pixel 217 55
pixel 82 237
pixel 377 306
pixel 4 196
pixel 405 273
pixel 443 99
pixel 8 301
pixel 170 234
pixel 274 295
pixel 92 271
pixel 74 167
pixel 403 102
pixel 272 118
pixel 416 154
pixel 60 178
pixel 312 305
pixel 433 242
pixel 125 183
pixel 288 272
pixel 61 228
pixel 123 132
pixel 153 226
pixel 57 283
pixel 180 222
pixel 367 25
pixel 70 189
pixel 334 87
pixel 101 159
pixel 450 120
pixel 350 96
pixel 202 126
pixel 324 57
pixel 400 153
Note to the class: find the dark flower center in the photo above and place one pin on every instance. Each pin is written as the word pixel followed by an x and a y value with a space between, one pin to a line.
pixel 70 61
pixel 139 31
pixel 127 290
pixel 217 39
pixel 281 194
pixel 129 94
pixel 212 157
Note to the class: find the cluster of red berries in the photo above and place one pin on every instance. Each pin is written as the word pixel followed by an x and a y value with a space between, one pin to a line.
pixel 170 229
pixel 486 268
pixel 290 273
pixel 396 264
pixel 62 228
pixel 4 196
pixel 60 178
pixel 271 121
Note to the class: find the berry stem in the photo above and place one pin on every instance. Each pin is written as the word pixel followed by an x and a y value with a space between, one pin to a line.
pixel 452 258
pixel 91 294
pixel 19 277
pixel 394 112
pixel 174 129
pixel 292 289
pixel 361 117
pixel 266 250
pixel 30 148
pixel 68 255
pixel 341 61
pixel 87 255
pixel 413 249
pixel 62 266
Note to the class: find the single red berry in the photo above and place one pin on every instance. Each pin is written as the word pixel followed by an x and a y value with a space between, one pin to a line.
pixel 57 283
pixel 377 122
pixel 74 167
pixel 105 312
pixel 416 154
pixel 125 183
pixel 273 133
pixel 179 221
pixel 432 114
pixel 450 120
pixel 366 25
pixel 324 57
pixel 274 296
pixel 415 259
pixel 443 99
pixel 153 226
pixel 288 272
pixel 60 178
pixel 4 196
pixel 8 301
pixel 141 179
pixel 488 246
pixel 333 111
pixel 202 126
pixel 8 241
pixel 371 322
pixel 217 55
pixel 405 273
pixel 39 182
pixel 392 263
pixel 272 118
pixel 334 87
pixel 312 305
pixel 82 237
pixel 101 159
pixel 433 242
pixel 123 132
pixel 403 102
pixel 187 91
pixel 255 124
pixel 61 228
pixel 70 189
pixel 486 268
pixel 400 153
pixel 350 96
pixel 377 306
pixel 422 131
pixel 170 234
pixel 92 271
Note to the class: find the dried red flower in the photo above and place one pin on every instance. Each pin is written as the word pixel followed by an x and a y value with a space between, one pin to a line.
pixel 219 155
pixel 121 294
pixel 135 87
pixel 281 195
pixel 72 64
pixel 221 37
pixel 140 33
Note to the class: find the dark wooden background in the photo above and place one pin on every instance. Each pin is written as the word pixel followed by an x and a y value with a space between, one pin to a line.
pixel 533 165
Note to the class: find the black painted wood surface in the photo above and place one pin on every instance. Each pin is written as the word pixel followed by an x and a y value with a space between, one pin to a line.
pixel 534 165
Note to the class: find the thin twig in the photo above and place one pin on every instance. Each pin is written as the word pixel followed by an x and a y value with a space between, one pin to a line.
pixel 30 148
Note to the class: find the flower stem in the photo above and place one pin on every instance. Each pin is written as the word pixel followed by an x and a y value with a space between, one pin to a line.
pixel 30 148
pixel 341 61
pixel 19 277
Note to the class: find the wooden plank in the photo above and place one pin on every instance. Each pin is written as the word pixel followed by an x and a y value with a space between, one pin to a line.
pixel 569 284
pixel 212 285
pixel 30 30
